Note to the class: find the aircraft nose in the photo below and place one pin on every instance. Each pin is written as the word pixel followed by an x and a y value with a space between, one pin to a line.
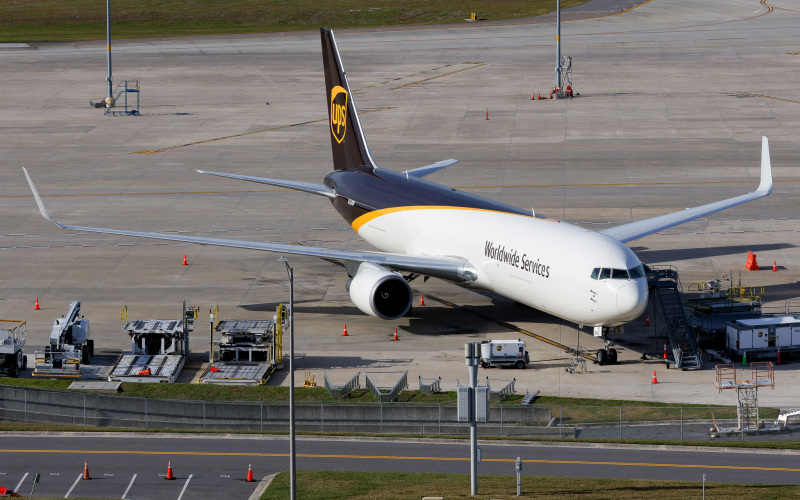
pixel 632 299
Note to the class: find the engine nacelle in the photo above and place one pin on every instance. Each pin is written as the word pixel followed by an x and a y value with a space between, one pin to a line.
pixel 379 292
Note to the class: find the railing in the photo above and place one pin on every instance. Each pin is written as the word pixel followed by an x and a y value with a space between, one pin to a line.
pixel 343 391
pixel 385 397
pixel 430 388
pixel 503 393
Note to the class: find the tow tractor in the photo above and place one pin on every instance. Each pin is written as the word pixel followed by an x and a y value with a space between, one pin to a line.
pixel 69 346
pixel 12 340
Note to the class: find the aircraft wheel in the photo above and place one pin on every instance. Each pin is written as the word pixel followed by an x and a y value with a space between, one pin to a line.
pixel 601 357
pixel 612 356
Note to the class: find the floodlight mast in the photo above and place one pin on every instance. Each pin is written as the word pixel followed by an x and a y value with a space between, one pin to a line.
pixel 558 48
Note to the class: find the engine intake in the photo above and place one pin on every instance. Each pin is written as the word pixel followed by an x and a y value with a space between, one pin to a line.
pixel 379 292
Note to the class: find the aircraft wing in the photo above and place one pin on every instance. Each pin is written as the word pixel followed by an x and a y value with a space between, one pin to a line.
pixel 639 229
pixel 449 268
pixel 308 187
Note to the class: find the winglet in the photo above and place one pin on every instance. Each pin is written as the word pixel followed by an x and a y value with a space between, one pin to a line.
pixel 765 187
pixel 39 202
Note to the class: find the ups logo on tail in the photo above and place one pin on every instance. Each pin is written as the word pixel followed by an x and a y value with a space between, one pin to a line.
pixel 338 113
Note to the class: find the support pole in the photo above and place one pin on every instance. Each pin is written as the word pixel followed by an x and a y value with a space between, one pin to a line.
pixel 558 47
pixel 472 353
pixel 108 47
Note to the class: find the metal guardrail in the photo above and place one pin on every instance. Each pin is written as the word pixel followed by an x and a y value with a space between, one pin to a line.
pixel 503 393
pixel 430 388
pixel 385 397
pixel 343 391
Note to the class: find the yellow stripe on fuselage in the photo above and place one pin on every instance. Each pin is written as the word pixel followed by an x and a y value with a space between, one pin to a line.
pixel 377 213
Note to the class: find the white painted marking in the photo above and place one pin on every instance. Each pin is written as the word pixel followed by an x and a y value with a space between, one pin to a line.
pixel 74 485
pixel 19 485
pixel 185 485
pixel 129 487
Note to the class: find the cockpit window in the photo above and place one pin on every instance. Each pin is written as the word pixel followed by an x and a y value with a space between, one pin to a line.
pixel 619 274
pixel 636 272
pixel 595 273
pixel 605 274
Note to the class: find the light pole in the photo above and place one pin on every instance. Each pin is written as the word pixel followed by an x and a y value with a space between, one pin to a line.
pixel 108 47
pixel 292 456
pixel 558 48
pixel 211 341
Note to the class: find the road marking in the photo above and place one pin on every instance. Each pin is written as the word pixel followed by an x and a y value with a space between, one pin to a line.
pixel 184 486
pixel 129 487
pixel 74 485
pixel 20 482
pixel 389 457
pixel 474 65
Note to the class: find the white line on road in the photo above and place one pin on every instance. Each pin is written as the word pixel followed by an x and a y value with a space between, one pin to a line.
pixel 129 487
pixel 20 483
pixel 185 485
pixel 74 485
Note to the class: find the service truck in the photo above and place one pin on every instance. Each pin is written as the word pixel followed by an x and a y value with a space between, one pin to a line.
pixel 504 353
pixel 12 340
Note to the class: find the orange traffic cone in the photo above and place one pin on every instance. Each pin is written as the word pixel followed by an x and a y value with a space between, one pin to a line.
pixel 533 96
pixel 344 332
pixel 774 265
pixel 647 320
pixel 250 473
pixel 487 113
pixel 169 471
pixel 395 335
pixel 86 470
pixel 539 95
pixel 665 350
pixel 551 94
pixel 422 299
pixel 36 305
pixel 184 260
pixel 655 380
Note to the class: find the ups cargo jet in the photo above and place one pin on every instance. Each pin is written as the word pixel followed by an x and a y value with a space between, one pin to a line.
pixel 425 229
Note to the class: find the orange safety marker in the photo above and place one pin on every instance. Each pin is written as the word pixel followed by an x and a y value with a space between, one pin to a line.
pixel 533 96
pixel 36 305
pixel 344 332
pixel 774 265
pixel 250 473
pixel 395 335
pixel 487 113
pixel 86 470
pixel 539 95
pixel 422 299
pixel 751 264
pixel 184 260
pixel 655 380
pixel 169 471
pixel 647 320
pixel 551 94
pixel 665 350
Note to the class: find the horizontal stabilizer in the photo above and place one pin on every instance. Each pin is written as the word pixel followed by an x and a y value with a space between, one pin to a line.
pixel 308 187
pixel 639 229
pixel 429 169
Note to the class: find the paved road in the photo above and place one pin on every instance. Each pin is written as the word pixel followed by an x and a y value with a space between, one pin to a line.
pixel 208 467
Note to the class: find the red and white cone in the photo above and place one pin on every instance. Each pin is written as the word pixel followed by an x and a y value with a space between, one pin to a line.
pixel 422 299
pixel 169 471
pixel 86 470
pixel 665 351
pixel 395 335
pixel 655 380
pixel 184 260
pixel 344 332
pixel 250 473
pixel 36 305
pixel 647 320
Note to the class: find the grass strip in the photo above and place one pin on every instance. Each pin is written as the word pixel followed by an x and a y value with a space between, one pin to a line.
pixel 67 20
pixel 331 485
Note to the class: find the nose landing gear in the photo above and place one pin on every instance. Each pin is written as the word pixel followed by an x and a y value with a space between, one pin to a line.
pixel 607 355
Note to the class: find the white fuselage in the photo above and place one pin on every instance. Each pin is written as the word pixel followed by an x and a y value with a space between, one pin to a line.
pixel 542 263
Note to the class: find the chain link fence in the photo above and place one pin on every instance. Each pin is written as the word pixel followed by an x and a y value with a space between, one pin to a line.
pixel 590 422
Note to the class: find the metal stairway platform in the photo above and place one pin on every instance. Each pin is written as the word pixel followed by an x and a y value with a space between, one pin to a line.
pixel 682 339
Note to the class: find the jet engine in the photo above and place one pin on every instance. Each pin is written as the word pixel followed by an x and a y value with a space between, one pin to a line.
pixel 379 292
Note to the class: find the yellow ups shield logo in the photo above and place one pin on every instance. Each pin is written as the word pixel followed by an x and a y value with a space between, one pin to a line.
pixel 338 113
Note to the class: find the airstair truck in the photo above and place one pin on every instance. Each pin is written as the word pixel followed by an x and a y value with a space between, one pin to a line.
pixel 12 340
pixel 504 353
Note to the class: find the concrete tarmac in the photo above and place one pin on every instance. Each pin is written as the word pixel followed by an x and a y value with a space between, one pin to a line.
pixel 674 99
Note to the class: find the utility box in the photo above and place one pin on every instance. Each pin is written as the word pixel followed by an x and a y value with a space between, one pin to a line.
pixel 504 353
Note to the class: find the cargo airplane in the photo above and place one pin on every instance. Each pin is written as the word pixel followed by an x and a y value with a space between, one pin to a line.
pixel 426 229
